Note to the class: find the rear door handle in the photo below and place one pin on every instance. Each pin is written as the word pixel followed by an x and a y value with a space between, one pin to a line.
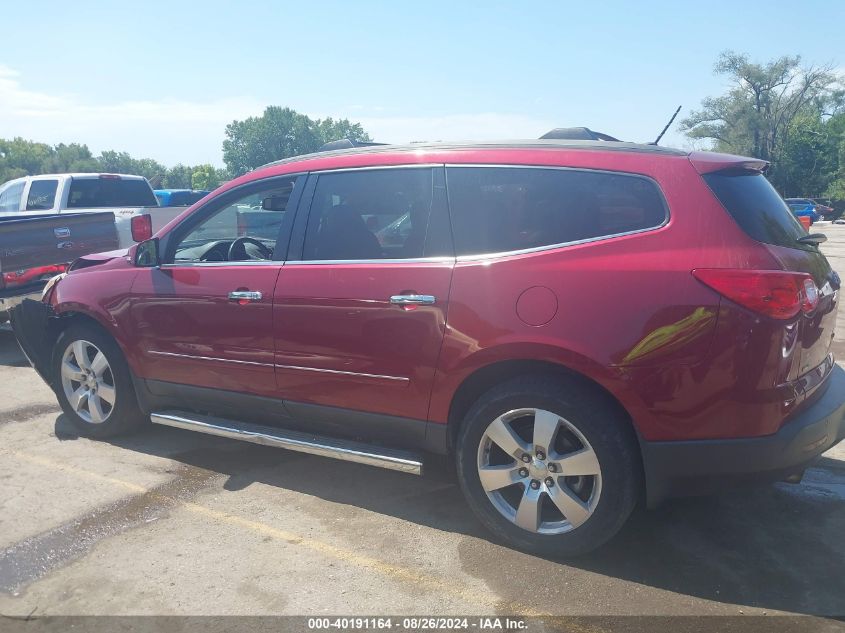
pixel 245 296
pixel 407 300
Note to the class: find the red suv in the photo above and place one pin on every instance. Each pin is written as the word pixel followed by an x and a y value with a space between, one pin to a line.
pixel 580 324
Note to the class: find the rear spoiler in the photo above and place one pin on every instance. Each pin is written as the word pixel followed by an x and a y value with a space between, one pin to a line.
pixel 708 162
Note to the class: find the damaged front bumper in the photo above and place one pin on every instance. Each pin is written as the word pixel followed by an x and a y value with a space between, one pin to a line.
pixel 32 324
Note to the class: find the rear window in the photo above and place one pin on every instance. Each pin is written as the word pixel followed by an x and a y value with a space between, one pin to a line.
pixel 87 193
pixel 502 209
pixel 757 208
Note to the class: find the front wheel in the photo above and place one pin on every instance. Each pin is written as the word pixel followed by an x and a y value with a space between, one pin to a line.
pixel 550 468
pixel 93 383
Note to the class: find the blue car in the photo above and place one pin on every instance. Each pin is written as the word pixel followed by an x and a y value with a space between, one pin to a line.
pixel 803 207
pixel 179 197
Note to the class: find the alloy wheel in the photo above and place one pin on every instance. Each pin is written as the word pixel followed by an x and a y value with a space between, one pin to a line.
pixel 539 471
pixel 88 382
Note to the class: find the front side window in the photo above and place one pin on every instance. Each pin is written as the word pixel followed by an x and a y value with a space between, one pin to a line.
pixel 42 195
pixel 502 209
pixel 245 229
pixel 10 196
pixel 370 214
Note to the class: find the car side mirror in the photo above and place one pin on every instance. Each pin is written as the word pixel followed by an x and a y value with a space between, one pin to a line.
pixel 146 254
pixel 142 227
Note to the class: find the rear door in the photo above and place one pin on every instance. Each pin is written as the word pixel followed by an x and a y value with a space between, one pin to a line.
pixel 765 217
pixel 360 313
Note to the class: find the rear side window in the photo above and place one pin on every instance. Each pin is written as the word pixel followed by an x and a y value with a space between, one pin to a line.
pixel 370 214
pixel 42 195
pixel 88 193
pixel 756 207
pixel 501 209
pixel 10 196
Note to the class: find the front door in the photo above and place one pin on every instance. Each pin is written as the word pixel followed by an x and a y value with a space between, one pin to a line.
pixel 359 318
pixel 204 318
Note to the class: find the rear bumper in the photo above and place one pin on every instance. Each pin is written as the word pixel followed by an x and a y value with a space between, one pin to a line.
pixel 684 468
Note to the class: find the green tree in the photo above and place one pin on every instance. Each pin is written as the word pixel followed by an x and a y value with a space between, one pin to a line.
pixel 810 158
pixel 280 133
pixel 759 111
pixel 207 177
pixel 122 163
pixel 178 177
pixel 69 158
pixel 19 157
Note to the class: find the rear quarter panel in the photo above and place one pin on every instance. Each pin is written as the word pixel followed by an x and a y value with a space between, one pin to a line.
pixel 629 313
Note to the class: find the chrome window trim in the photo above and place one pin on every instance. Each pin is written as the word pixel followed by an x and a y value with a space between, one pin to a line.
pixel 549 247
pixel 263 262
pixel 214 358
pixel 345 373
pixel 339 170
pixel 370 262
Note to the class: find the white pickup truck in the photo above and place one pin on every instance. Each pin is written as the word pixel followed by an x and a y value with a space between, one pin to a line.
pixel 47 221
pixel 123 195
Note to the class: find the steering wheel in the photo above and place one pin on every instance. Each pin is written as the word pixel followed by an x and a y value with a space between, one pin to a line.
pixel 240 243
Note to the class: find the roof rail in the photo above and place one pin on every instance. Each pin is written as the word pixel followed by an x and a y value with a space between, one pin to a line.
pixel 577 134
pixel 346 143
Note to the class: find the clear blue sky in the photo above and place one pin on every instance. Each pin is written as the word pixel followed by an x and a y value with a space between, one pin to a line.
pixel 162 79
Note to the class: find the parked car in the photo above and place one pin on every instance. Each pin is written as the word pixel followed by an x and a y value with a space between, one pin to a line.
pixel 179 197
pixel 824 207
pixel 804 207
pixel 578 324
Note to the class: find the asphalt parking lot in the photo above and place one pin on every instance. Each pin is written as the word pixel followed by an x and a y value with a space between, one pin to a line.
pixel 170 522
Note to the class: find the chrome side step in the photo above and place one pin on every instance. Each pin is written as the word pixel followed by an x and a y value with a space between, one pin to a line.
pixel 391 459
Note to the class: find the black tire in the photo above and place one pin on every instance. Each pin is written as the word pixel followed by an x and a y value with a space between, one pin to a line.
pixel 124 416
pixel 605 427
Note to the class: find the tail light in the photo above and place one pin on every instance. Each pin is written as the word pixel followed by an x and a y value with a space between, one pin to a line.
pixel 773 293
pixel 141 227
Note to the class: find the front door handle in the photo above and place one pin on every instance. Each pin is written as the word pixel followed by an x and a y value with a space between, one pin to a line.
pixel 245 296
pixel 413 300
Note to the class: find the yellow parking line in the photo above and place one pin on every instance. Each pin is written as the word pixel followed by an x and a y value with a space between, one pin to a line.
pixel 397 572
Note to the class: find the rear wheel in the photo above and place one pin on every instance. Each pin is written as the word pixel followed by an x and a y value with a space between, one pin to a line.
pixel 548 467
pixel 93 383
